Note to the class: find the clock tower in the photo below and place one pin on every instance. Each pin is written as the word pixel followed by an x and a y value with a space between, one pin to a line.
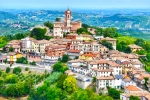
pixel 68 17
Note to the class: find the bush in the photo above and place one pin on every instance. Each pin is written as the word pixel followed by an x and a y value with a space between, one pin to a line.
pixel 7 69
pixel 16 70
pixel 11 79
pixel 26 69
pixel 33 63
pixel 114 93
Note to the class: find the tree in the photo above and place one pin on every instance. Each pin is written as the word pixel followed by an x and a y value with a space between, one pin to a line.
pixel 17 70
pixel 128 50
pixel 85 26
pixel 49 24
pixel 5 61
pixel 38 33
pixel 58 19
pixel 11 79
pixel 69 84
pixel 60 81
pixel 1 73
pixel 139 42
pixel 134 97
pixel 26 69
pixel 65 58
pixel 107 44
pixel 57 67
pixel 33 63
pixel 1 81
pixel 7 69
pixel 82 30
pixel 11 49
pixel 148 56
pixel 114 93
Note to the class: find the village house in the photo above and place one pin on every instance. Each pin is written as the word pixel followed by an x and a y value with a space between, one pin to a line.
pixel 77 62
pixel 104 68
pixel 2 58
pixel 127 81
pixel 66 25
pixel 73 54
pixel 55 50
pixel 11 57
pixel 102 82
pixel 89 55
pixel 132 89
pixel 135 48
pixel 26 44
pixel 39 46
pixel 143 95
pixel 15 44
pixel 32 56
pixel 71 36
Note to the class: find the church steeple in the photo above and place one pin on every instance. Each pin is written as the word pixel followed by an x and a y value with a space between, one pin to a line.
pixel 68 16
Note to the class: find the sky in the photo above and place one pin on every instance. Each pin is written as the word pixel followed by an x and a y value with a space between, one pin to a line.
pixel 74 4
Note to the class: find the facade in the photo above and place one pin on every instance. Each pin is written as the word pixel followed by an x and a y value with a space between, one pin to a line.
pixel 73 53
pixel 66 25
pixel 16 44
pixel 127 81
pixel 135 48
pixel 55 50
pixel 11 58
pixel 26 43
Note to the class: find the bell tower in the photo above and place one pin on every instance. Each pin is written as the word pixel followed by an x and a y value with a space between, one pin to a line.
pixel 68 17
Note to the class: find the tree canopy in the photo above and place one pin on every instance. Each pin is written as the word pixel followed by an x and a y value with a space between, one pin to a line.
pixel 134 98
pixel 69 84
pixel 114 93
pixel 49 24
pixel 107 44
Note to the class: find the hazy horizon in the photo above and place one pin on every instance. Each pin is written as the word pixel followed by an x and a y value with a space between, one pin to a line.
pixel 78 4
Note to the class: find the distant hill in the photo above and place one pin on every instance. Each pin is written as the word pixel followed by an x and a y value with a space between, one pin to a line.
pixel 134 23
pixel 6 15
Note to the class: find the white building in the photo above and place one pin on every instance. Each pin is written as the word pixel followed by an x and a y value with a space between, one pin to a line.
pixel 127 81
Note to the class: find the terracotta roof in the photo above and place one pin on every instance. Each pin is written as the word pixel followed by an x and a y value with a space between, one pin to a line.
pixel 125 62
pixel 102 61
pixel 132 88
pixel 103 70
pixel 74 51
pixel 134 46
pixel 139 94
pixel 105 78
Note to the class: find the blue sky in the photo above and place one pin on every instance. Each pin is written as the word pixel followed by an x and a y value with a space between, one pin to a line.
pixel 74 4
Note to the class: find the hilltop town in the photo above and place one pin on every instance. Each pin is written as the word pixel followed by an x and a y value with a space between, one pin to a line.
pixel 92 61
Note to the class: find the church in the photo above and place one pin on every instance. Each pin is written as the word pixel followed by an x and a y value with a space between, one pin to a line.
pixel 66 25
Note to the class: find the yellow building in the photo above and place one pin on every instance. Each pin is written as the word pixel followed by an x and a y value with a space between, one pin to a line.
pixel 126 66
pixel 86 37
pixel 135 48
pixel 18 55
pixel 89 56
pixel 11 58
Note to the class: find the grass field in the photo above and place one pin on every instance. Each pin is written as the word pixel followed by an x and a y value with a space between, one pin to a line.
pixel 127 39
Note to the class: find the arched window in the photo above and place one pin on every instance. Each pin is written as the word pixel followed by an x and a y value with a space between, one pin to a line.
pixel 68 16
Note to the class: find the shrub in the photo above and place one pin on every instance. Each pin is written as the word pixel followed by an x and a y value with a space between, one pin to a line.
pixel 114 93
pixel 16 70
pixel 7 69
pixel 11 79
pixel 26 69
pixel 33 63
